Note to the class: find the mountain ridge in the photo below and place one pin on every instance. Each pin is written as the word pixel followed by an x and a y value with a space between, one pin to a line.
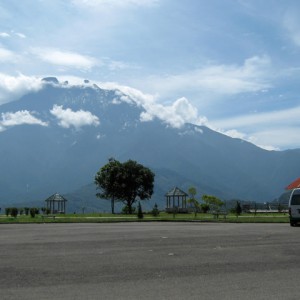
pixel 75 129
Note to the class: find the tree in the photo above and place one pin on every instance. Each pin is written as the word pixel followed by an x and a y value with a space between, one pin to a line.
pixel 107 179
pixel 213 202
pixel 192 200
pixel 125 182
pixel 192 192
pixel 137 181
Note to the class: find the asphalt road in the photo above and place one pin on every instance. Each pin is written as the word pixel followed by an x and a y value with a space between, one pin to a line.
pixel 149 261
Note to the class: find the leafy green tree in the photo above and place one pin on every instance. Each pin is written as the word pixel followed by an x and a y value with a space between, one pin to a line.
pixel 125 182
pixel 137 181
pixel 107 180
pixel 213 202
pixel 192 192
pixel 192 200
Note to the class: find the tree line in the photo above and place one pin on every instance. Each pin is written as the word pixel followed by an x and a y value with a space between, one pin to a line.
pixel 32 211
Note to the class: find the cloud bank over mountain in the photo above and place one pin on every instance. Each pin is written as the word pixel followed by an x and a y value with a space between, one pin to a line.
pixel 176 114
pixel 22 117
pixel 231 60
pixel 69 118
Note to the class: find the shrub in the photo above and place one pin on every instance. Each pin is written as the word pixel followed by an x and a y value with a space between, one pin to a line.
pixel 125 210
pixel 32 212
pixel 7 211
pixel 155 211
pixel 26 209
pixel 205 207
pixel 14 212
pixel 238 208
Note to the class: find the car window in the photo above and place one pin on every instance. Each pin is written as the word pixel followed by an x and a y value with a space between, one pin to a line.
pixel 295 200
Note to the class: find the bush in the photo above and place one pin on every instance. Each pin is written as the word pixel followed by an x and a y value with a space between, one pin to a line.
pixel 14 212
pixel 125 210
pixel 238 208
pixel 32 212
pixel 155 211
pixel 26 209
pixel 205 207
pixel 7 211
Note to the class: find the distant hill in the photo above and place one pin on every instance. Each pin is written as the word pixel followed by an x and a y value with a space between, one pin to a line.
pixel 71 131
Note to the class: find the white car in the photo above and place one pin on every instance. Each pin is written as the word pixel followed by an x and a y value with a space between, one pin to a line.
pixel 294 207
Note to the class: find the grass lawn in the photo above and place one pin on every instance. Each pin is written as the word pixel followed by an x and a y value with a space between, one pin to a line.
pixel 105 218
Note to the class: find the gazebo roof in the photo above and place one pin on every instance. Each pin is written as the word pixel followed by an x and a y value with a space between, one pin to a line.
pixel 56 197
pixel 176 192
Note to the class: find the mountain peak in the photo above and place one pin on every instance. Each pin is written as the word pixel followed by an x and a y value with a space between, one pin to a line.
pixel 51 80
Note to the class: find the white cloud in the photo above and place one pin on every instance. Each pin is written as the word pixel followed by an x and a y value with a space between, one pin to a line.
pixel 284 117
pixel 291 23
pixel 212 80
pixel 4 34
pixel 7 56
pixel 114 3
pixel 278 137
pixel 176 114
pixel 13 87
pixel 20 35
pixel 179 112
pixel 21 117
pixel 65 58
pixel 269 130
pixel 68 117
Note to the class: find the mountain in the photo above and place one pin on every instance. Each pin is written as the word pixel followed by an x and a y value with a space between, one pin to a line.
pixel 56 139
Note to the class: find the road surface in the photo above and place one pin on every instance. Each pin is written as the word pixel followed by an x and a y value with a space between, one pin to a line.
pixel 149 261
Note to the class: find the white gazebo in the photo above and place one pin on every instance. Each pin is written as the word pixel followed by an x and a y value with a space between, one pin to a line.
pixel 176 201
pixel 56 204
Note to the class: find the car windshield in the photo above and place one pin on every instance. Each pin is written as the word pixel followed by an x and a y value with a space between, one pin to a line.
pixel 295 200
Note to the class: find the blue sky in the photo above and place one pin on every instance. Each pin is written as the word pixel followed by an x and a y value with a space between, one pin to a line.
pixel 232 65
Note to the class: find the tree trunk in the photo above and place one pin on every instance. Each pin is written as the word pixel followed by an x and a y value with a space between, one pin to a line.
pixel 129 204
pixel 113 205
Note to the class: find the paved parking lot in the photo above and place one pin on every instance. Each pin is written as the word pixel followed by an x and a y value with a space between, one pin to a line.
pixel 149 261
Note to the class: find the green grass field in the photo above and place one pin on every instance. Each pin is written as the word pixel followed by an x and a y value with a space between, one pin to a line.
pixel 105 218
